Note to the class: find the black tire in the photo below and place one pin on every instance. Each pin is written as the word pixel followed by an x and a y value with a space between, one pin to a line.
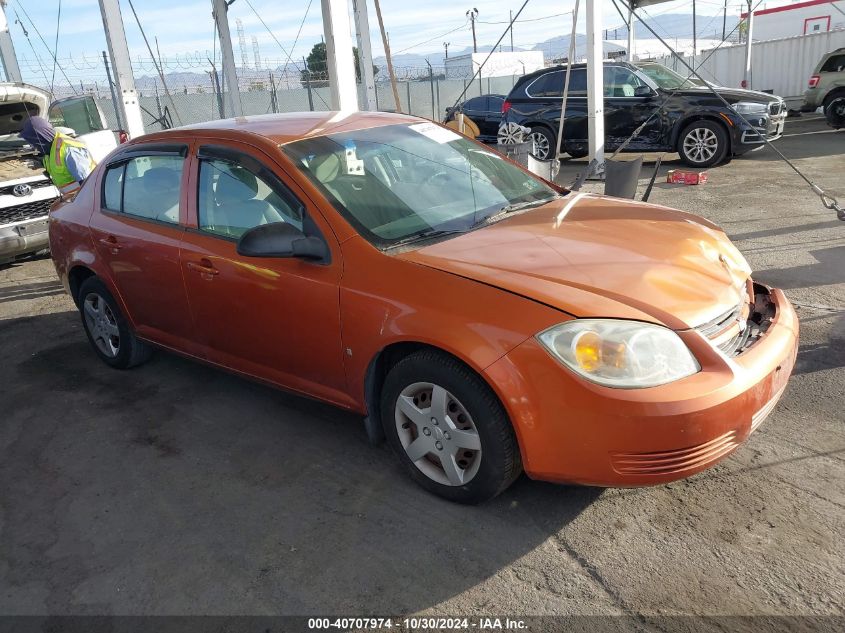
pixel 130 351
pixel 544 143
pixel 709 153
pixel 499 459
pixel 577 153
pixel 834 110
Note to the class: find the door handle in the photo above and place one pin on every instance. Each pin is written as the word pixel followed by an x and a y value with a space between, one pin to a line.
pixel 112 244
pixel 203 267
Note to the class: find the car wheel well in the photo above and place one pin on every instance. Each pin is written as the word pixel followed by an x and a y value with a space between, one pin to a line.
pixel 76 277
pixel 681 125
pixel 833 94
pixel 377 371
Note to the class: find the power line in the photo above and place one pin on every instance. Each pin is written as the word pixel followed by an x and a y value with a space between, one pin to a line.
pixel 436 37
pixel 40 37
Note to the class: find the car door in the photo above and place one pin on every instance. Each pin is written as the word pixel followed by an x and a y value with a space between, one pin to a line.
pixel 137 228
pixel 274 318
pixel 626 108
pixel 493 116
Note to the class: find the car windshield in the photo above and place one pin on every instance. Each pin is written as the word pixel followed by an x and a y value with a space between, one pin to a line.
pixel 400 182
pixel 667 78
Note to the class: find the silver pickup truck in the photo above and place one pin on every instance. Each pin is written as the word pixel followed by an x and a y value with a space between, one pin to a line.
pixel 26 193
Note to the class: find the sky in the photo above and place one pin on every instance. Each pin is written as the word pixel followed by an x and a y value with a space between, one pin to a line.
pixel 185 28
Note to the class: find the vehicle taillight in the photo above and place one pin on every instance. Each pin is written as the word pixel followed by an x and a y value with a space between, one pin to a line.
pixel 743 84
pixel 122 136
pixel 506 105
pixel 814 81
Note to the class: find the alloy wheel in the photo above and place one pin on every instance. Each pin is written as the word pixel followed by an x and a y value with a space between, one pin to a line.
pixel 102 324
pixel 438 434
pixel 700 144
pixel 541 145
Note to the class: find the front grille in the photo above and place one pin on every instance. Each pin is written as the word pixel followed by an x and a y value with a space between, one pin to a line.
pixel 38 184
pixel 750 318
pixel 776 107
pixel 27 211
pixel 668 462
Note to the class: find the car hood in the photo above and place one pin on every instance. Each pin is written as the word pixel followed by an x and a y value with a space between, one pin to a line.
pixel 595 256
pixel 731 95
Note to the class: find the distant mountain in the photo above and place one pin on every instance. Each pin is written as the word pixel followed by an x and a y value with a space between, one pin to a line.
pixel 413 63
pixel 558 47
pixel 675 25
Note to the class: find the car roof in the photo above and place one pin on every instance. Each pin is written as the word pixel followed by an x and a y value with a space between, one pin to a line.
pixel 287 127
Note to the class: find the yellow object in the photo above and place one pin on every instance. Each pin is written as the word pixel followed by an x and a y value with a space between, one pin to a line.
pixel 470 129
pixel 588 351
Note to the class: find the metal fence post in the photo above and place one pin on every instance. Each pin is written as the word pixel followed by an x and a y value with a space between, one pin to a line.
pixel 431 85
pixel 274 104
pixel 437 84
pixel 308 85
pixel 408 90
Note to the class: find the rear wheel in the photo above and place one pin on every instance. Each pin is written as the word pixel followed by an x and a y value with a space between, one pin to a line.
pixel 107 328
pixel 544 141
pixel 834 110
pixel 449 428
pixel 703 144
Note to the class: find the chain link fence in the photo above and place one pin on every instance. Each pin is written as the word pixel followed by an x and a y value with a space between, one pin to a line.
pixel 191 92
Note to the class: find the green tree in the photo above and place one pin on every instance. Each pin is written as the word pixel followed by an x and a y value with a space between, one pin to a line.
pixel 318 65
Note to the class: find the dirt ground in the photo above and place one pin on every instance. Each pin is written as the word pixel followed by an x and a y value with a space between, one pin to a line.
pixel 175 488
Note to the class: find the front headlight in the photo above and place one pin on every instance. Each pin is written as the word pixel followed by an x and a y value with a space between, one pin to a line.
pixel 623 354
pixel 748 107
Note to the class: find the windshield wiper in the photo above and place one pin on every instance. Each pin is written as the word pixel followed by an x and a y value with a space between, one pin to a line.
pixel 421 236
pixel 510 208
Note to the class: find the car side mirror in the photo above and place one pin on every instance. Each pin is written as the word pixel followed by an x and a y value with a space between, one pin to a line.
pixel 280 239
pixel 643 91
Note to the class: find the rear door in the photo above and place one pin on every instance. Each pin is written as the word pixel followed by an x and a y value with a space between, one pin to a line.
pixel 274 318
pixel 137 229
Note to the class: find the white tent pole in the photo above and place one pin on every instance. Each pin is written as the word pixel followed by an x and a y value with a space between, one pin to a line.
pixel 233 94
pixel 122 66
pixel 7 49
pixel 595 83
pixel 365 53
pixel 339 59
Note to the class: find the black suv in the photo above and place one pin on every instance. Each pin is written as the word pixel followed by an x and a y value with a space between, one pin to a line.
pixel 693 121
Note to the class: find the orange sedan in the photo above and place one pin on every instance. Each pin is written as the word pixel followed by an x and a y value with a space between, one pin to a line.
pixel 485 320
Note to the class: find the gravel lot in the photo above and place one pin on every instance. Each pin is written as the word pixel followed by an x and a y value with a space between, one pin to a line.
pixel 179 489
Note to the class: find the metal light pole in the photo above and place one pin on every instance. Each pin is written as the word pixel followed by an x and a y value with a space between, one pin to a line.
pixel 748 38
pixel 340 62
pixel 7 49
pixel 365 53
pixel 595 83
pixel 511 28
pixel 233 95
pixel 123 78
pixel 472 14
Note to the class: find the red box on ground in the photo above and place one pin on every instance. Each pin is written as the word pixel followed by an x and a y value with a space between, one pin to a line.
pixel 679 177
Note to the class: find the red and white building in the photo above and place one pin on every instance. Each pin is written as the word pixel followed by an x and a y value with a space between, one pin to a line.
pixel 797 18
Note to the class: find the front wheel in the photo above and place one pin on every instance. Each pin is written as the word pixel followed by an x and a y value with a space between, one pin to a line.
pixel 703 144
pixel 449 428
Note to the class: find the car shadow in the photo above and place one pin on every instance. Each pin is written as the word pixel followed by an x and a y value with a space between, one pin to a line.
pixel 190 490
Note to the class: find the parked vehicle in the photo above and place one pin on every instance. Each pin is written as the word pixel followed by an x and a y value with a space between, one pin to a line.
pixel 489 321
pixel 693 122
pixel 826 88
pixel 486 113
pixel 26 193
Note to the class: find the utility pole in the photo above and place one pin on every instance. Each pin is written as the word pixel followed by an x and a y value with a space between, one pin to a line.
pixel 446 46
pixel 724 19
pixel 694 41
pixel 230 76
pixel 747 82
pixel 472 14
pixel 595 84
pixel 511 28
pixel 386 43
pixel 7 49
pixel 340 63
pixel 365 53
pixel 123 78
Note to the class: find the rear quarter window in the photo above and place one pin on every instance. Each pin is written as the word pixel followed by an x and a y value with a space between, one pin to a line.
pixel 834 64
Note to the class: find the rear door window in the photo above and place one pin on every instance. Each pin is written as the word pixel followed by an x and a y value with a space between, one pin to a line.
pixel 551 84
pixel 146 187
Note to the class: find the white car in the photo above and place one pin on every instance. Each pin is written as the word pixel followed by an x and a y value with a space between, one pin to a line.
pixel 26 193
